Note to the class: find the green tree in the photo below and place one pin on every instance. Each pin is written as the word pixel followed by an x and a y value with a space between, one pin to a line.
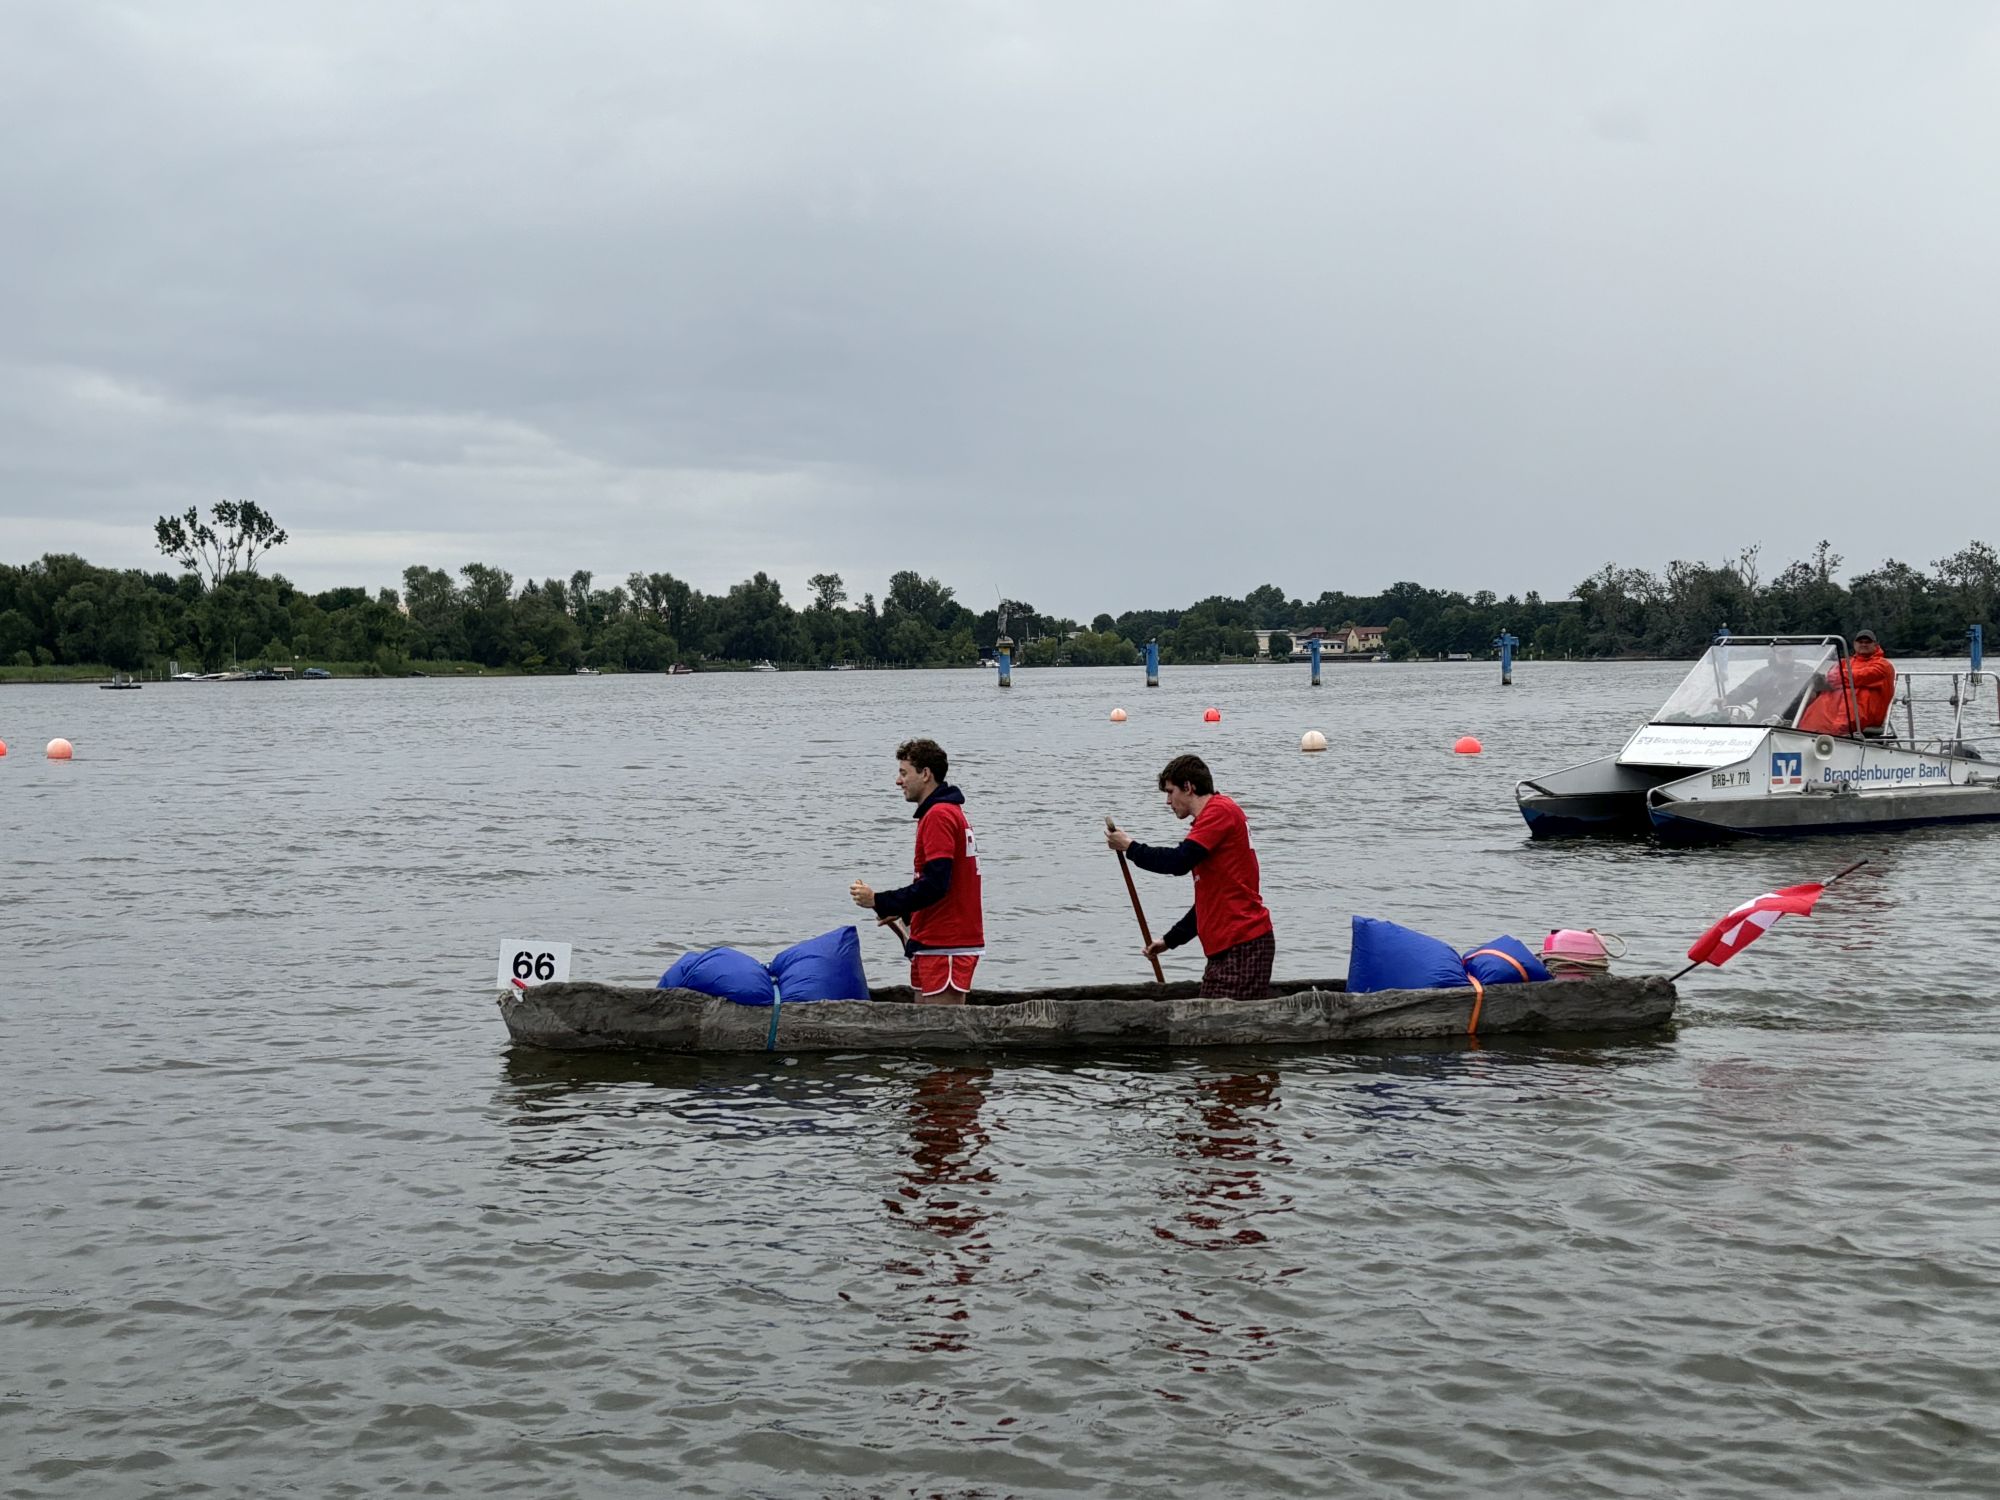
pixel 488 612
pixel 581 607
pixel 545 634
pixel 1102 648
pixel 910 641
pixel 1266 606
pixel 922 598
pixel 17 638
pixel 755 624
pixel 1968 593
pixel 827 590
pixel 242 532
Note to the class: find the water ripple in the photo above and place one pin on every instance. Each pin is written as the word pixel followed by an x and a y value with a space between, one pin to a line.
pixel 285 1216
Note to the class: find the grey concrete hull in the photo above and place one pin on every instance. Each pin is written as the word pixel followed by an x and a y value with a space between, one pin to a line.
pixel 1788 817
pixel 581 1017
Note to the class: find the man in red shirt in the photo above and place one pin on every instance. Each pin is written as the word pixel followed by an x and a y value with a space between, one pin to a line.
pixel 947 930
pixel 1228 915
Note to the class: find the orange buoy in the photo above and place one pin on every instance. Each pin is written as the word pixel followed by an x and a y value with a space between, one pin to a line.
pixel 1213 716
pixel 3 747
pixel 1118 716
pixel 1467 745
pixel 60 750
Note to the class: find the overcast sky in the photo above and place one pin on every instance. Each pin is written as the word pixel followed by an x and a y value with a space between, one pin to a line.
pixel 1101 305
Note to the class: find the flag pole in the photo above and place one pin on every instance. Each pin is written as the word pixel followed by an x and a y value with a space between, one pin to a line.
pixel 1676 977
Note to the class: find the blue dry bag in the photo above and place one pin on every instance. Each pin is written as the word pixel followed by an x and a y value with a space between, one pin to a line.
pixel 1490 968
pixel 1385 956
pixel 827 967
pixel 722 972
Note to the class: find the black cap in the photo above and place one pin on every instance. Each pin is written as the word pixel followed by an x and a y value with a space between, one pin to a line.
pixel 1865 634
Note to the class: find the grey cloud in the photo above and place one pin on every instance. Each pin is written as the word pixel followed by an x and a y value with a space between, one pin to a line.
pixel 1103 305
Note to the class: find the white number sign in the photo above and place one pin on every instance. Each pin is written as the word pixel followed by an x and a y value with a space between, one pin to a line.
pixel 525 962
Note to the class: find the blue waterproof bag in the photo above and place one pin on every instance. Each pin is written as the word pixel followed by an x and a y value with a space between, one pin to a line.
pixel 1386 956
pixel 1490 968
pixel 722 972
pixel 827 967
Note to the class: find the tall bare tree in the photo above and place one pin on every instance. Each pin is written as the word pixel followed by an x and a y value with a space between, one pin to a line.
pixel 243 532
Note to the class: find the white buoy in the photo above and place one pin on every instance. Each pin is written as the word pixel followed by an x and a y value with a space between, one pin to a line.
pixel 1312 742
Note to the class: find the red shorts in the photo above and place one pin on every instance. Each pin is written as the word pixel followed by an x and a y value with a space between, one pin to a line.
pixel 938 973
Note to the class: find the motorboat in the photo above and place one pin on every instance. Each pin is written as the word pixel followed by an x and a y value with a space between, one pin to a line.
pixel 315 674
pixel 679 669
pixel 763 666
pixel 1726 756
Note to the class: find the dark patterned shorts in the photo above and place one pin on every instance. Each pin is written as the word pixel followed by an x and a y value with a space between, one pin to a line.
pixel 1242 972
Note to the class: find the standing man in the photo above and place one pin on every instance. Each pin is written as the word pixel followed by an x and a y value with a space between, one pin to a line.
pixel 1229 915
pixel 947 930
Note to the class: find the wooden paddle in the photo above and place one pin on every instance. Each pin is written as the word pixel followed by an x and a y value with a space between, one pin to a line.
pixel 1145 932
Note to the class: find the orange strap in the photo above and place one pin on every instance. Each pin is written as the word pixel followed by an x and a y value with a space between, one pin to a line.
pixel 1479 990
pixel 1519 967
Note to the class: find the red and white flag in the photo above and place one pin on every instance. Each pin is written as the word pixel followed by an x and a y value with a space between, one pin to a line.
pixel 1752 920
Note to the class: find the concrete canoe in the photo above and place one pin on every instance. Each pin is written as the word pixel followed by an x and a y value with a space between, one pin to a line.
pixel 584 1017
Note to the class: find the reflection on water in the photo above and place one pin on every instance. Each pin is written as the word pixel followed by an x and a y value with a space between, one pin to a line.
pixel 1222 1194
pixel 578 1107
pixel 943 1176
pixel 1222 1199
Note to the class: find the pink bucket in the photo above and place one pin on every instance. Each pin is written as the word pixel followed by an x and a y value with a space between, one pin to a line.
pixel 1570 953
pixel 1568 942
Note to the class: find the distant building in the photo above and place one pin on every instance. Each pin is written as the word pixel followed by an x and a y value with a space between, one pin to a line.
pixel 1302 636
pixel 1362 640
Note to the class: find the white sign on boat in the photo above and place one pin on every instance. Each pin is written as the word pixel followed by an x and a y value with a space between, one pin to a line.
pixel 526 962
pixel 1693 745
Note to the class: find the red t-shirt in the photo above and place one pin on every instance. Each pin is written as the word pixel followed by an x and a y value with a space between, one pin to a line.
pixel 953 924
pixel 1228 899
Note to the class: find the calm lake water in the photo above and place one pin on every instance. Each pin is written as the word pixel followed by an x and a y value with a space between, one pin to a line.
pixel 285 1214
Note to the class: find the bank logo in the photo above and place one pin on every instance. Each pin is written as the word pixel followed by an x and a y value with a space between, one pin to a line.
pixel 1788 768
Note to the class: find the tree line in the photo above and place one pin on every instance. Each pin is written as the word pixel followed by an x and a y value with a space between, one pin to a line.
pixel 218 610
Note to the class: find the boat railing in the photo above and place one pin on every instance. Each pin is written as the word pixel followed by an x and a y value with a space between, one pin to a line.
pixel 1946 698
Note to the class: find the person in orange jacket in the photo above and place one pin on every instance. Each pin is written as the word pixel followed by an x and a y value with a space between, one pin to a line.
pixel 1873 679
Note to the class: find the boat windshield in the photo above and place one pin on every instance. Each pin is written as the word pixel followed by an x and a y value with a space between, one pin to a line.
pixel 1748 682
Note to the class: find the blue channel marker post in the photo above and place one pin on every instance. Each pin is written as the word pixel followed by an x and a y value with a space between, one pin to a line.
pixel 1977 635
pixel 1507 642
pixel 1315 659
pixel 1152 664
pixel 1004 649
